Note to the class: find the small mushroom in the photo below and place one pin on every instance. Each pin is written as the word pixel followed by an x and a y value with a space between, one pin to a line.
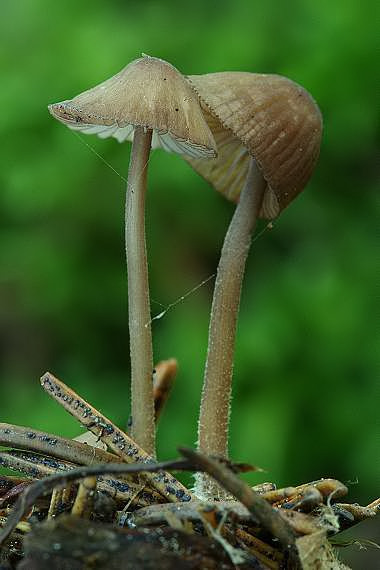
pixel 151 103
pixel 268 132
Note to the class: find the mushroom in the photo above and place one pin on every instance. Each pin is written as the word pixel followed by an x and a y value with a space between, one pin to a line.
pixel 268 132
pixel 151 103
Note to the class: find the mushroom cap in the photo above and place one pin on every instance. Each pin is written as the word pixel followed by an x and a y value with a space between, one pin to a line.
pixel 150 93
pixel 268 117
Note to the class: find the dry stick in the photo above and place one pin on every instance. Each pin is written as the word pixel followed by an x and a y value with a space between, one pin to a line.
pixel 50 444
pixel 260 545
pixel 7 482
pixel 67 492
pixel 306 501
pixel 84 501
pixel 216 392
pixel 140 335
pixel 272 520
pixel 262 551
pixel 327 487
pixel 358 512
pixel 374 505
pixel 268 517
pixel 156 514
pixel 301 523
pixel 21 526
pixel 114 437
pixel 36 466
pixel 39 466
pixel 14 491
pixel 165 373
pixel 262 488
pixel 278 495
pixel 46 485
pixel 74 452
pixel 55 502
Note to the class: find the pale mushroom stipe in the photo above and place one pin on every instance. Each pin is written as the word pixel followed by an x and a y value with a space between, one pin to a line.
pixel 268 132
pixel 152 104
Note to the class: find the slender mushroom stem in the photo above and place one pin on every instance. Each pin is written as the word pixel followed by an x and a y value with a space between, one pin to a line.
pixel 142 405
pixel 216 393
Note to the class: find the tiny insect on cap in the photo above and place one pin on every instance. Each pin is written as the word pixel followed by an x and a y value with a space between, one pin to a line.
pixel 268 117
pixel 150 93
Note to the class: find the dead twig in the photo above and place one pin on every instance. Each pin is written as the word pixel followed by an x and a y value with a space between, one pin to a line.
pixel 352 514
pixel 27 499
pixel 157 514
pixel 329 488
pixel 279 495
pixel 306 501
pixel 14 490
pixel 163 378
pixel 269 518
pixel 8 481
pixel 325 488
pixel 84 501
pixel 262 488
pixel 46 485
pixel 56 502
pixel 21 526
pixel 32 464
pixel 301 523
pixel 50 444
pixel 115 438
pixel 73 451
pixel 40 466
pixel 265 553
pixel 374 505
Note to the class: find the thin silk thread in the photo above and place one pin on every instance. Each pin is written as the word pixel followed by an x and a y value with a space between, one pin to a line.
pixel 196 287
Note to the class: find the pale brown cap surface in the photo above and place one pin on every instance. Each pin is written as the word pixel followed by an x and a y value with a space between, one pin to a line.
pixel 151 93
pixel 268 117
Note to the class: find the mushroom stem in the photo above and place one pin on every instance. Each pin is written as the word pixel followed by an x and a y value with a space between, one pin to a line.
pixel 140 336
pixel 216 393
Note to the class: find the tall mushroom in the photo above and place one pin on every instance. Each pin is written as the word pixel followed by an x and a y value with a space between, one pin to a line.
pixel 151 103
pixel 268 132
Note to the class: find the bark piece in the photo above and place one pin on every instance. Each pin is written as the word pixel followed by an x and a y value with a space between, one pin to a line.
pixel 69 543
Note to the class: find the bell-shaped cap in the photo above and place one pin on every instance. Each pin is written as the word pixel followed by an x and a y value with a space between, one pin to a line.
pixel 268 117
pixel 150 93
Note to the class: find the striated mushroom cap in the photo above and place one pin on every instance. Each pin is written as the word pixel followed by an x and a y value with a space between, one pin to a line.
pixel 148 92
pixel 268 117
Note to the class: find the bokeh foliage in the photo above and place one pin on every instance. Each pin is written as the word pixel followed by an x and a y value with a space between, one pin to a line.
pixel 305 394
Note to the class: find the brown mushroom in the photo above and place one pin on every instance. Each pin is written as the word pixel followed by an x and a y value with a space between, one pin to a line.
pixel 268 132
pixel 151 103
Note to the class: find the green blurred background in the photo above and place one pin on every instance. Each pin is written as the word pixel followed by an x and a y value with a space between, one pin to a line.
pixel 305 394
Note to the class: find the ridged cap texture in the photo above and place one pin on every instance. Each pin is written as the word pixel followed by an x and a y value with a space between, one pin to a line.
pixel 268 117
